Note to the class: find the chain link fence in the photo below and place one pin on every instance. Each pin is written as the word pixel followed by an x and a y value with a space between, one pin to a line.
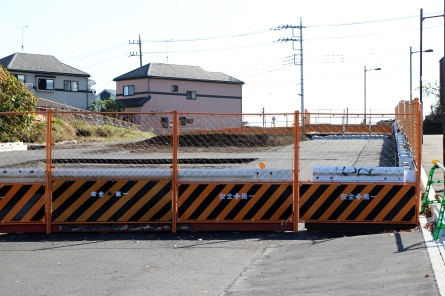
pixel 236 147
pixel 19 159
pixel 407 116
pixel 211 147
pixel 338 149
pixel 120 145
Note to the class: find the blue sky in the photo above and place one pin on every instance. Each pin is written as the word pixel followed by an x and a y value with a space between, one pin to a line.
pixel 235 37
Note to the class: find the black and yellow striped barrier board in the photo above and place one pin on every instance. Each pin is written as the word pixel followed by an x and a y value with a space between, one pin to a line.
pixel 235 202
pixel 22 203
pixel 357 203
pixel 112 201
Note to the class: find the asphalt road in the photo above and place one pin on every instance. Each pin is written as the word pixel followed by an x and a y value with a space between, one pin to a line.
pixel 221 263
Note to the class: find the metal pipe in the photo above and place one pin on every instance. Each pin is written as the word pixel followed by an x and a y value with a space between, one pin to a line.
pixel 175 142
pixel 49 160
pixel 410 75
pixel 421 30
pixel 295 186
pixel 364 120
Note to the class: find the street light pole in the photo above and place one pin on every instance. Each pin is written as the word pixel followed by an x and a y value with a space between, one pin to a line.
pixel 376 69
pixel 422 18
pixel 411 71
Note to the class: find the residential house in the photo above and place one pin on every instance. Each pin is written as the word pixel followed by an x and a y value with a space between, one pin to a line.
pixel 106 94
pixel 50 79
pixel 158 87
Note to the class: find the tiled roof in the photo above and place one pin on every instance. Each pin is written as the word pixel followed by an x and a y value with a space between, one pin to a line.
pixel 38 63
pixel 134 102
pixel 158 70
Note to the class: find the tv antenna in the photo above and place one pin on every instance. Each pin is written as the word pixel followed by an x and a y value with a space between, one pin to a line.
pixel 23 27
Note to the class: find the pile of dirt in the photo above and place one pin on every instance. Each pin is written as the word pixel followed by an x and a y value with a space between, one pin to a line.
pixel 222 140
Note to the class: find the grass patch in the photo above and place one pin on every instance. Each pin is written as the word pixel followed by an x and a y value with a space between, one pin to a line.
pixel 63 130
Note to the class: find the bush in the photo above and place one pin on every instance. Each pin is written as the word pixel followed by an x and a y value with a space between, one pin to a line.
pixel 14 97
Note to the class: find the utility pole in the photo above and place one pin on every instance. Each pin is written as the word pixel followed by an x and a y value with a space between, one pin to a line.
pixel 264 118
pixel 166 51
pixel 24 27
pixel 132 54
pixel 293 39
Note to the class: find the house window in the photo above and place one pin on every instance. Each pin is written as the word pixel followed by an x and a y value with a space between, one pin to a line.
pixel 129 90
pixel 164 122
pixel 174 88
pixel 71 85
pixel 191 95
pixel 45 84
pixel 128 118
pixel 20 77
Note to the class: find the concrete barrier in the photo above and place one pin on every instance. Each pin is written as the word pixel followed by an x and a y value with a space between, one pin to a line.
pixel 12 146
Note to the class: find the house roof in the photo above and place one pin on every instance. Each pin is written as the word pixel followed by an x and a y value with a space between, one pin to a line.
pixel 134 102
pixel 111 91
pixel 38 63
pixel 169 71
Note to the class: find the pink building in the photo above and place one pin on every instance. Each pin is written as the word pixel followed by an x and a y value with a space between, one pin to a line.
pixel 159 87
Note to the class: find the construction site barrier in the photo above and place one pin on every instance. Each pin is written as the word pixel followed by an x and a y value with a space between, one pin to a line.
pixel 358 202
pixel 244 204
pixel 199 171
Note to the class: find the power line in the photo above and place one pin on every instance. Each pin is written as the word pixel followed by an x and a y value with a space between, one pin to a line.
pixel 211 38
pixel 364 35
pixel 95 52
pixel 123 44
pixel 369 22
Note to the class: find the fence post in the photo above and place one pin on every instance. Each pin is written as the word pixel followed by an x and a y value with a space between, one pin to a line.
pixel 419 141
pixel 295 177
pixel 175 185
pixel 48 179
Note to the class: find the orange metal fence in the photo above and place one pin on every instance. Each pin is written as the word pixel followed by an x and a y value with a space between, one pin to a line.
pixel 172 171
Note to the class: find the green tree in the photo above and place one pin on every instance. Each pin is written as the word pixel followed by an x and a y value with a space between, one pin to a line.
pixel 433 90
pixel 14 97
pixel 433 122
pixel 110 105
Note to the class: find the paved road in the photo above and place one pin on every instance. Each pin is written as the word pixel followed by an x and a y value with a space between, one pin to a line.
pixel 301 263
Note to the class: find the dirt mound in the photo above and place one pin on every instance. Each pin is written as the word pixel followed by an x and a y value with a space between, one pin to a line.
pixel 224 140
